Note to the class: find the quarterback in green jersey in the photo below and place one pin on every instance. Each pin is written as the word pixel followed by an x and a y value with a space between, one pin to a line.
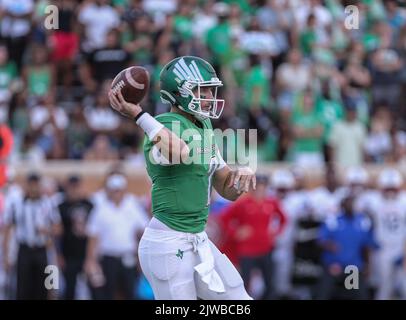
pixel 184 164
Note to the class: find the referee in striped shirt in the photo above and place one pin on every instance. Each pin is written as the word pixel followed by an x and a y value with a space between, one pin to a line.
pixel 35 222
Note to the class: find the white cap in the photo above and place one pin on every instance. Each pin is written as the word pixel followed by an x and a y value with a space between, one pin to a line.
pixel 356 175
pixel 116 182
pixel 390 178
pixel 282 178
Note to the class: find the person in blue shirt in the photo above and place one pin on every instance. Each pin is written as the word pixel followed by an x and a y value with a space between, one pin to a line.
pixel 346 241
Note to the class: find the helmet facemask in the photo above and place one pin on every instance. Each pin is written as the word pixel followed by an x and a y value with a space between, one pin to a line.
pixel 195 105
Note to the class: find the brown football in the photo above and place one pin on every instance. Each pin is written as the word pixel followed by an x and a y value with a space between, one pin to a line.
pixel 133 82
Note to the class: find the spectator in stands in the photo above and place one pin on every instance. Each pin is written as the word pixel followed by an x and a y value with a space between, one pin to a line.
pixel 78 134
pixel 274 18
pixel 30 151
pixel 254 222
pixel 259 42
pixel 97 18
pixel 322 16
pixel 104 63
pixel 16 27
pixel 386 65
pixel 101 149
pixel 307 132
pixel 330 109
pixel 358 79
pixel 257 99
pixel 292 76
pixel 39 74
pixel 346 241
pixel 48 122
pixel 218 38
pixel 400 113
pixel 398 138
pixel 140 37
pixel 65 44
pixel 347 139
pixel 8 81
pixel 100 118
pixel 204 19
pixel 378 144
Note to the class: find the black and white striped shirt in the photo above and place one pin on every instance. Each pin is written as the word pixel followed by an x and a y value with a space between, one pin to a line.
pixel 29 216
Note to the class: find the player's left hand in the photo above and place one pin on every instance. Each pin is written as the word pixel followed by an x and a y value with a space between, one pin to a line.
pixel 242 178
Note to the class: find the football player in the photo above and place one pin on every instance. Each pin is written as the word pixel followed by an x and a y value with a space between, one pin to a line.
pixel 184 163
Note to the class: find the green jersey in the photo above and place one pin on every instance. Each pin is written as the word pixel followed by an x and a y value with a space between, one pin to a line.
pixel 181 191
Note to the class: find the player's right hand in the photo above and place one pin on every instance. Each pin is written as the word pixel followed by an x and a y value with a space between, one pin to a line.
pixel 127 109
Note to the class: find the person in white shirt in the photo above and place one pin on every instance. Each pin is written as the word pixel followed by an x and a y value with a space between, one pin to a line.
pixel 292 76
pixel 48 121
pixel 15 27
pixel 98 18
pixel 347 139
pixel 389 213
pixel 100 117
pixel 114 228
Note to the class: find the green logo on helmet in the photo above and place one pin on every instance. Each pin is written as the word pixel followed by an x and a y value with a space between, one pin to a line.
pixel 181 81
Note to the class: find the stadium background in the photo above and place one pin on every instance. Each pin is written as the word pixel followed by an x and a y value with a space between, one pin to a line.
pixel 272 56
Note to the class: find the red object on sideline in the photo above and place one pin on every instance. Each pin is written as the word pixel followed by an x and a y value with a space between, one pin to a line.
pixel 7 145
pixel 258 217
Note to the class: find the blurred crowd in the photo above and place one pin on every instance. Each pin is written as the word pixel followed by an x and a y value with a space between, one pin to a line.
pixel 315 90
pixel 344 239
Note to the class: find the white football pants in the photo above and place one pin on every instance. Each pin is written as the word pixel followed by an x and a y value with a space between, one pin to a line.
pixel 390 275
pixel 187 266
